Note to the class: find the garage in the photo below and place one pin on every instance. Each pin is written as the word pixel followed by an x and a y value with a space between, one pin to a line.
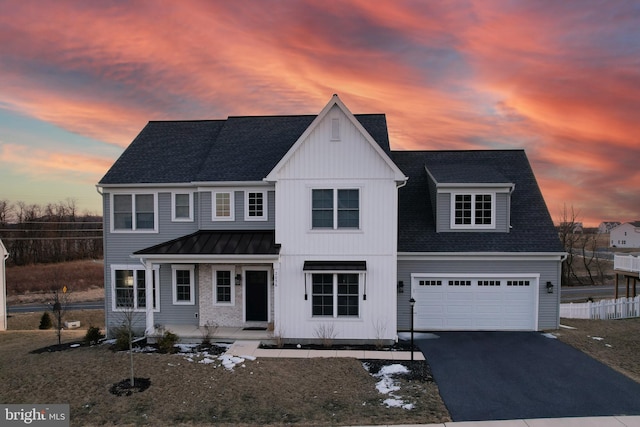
pixel 490 303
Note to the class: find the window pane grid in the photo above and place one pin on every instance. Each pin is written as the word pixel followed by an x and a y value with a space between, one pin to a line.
pixel 256 204
pixel 322 208
pixel 483 209
pixel 322 295
pixel 337 294
pixel 130 289
pixel 144 211
pixel 348 295
pixel 463 209
pixel 223 286
pixel 223 205
pixel 182 206
pixel 183 285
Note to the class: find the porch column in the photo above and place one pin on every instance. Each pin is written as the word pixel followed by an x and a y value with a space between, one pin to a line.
pixel 148 293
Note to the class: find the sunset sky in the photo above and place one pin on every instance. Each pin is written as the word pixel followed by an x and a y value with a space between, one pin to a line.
pixel 561 79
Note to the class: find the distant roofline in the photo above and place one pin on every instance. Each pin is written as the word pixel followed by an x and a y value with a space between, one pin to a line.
pixel 267 116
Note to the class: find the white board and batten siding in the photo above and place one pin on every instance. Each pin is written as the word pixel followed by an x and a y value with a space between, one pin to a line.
pixel 342 160
pixel 472 301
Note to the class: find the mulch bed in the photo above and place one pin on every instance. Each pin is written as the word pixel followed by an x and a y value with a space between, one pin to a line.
pixel 124 387
pixel 60 347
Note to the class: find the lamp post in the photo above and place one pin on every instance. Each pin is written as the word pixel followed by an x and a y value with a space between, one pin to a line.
pixel 412 302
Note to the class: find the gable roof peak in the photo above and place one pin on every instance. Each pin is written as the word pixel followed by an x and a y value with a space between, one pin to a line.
pixel 336 101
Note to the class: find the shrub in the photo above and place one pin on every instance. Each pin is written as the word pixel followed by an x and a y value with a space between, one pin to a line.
pixel 93 335
pixel 45 321
pixel 121 334
pixel 167 342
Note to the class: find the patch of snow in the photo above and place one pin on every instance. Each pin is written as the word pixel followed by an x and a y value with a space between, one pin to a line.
pixel 549 335
pixel 597 338
pixel 74 345
pixel 392 369
pixel 608 345
pixel 207 361
pixel 397 403
pixel 567 327
pixel 248 357
pixel 386 385
pixel 229 362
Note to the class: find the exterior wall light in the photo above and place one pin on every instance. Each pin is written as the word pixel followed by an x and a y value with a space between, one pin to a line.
pixel 400 287
pixel 549 287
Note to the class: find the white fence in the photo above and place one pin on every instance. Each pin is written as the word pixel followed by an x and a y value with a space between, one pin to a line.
pixel 626 263
pixel 620 308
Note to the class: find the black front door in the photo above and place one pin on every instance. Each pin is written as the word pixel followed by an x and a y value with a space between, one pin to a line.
pixel 256 298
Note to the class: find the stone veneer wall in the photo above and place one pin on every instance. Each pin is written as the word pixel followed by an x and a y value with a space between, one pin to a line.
pixel 221 315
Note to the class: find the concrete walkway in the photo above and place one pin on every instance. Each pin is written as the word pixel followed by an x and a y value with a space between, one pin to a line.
pixel 251 348
pixel 618 421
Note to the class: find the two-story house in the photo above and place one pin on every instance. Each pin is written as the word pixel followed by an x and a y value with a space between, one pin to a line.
pixel 312 225
pixel 626 235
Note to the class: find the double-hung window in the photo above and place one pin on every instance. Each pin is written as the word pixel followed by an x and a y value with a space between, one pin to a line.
pixel 255 206
pixel 129 288
pixel 223 289
pixel 335 208
pixel 134 212
pixel 183 284
pixel 182 206
pixel 223 206
pixel 475 210
pixel 335 295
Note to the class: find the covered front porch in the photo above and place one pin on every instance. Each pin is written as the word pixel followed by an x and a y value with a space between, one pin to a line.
pixel 196 334
pixel 228 285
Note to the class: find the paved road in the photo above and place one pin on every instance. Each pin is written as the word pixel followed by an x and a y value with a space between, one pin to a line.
pixel 581 293
pixel 28 308
pixel 520 375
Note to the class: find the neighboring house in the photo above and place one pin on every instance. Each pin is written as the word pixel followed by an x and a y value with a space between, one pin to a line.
pixel 3 287
pixel 626 235
pixel 605 227
pixel 312 225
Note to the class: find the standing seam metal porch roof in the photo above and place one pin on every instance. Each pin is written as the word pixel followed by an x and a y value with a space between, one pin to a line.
pixel 207 242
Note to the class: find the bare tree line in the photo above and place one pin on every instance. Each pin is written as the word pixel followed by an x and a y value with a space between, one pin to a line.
pixel 55 232
pixel 583 265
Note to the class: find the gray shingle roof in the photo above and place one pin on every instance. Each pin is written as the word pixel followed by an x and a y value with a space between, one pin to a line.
pixel 235 149
pixel 532 227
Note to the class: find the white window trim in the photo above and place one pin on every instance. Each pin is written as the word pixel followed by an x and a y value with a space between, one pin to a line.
pixel 232 205
pixel 214 278
pixel 472 226
pixel 174 288
pixel 335 228
pixel 174 218
pixel 133 212
pixel 134 267
pixel 265 206
pixel 335 294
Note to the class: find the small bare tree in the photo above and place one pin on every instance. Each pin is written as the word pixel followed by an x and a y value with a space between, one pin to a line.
pixel 59 307
pixel 569 239
pixel 127 313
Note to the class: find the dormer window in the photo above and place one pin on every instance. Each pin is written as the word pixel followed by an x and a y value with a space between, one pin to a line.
pixel 473 210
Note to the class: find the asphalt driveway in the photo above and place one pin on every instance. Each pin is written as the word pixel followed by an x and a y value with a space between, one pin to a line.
pixel 516 375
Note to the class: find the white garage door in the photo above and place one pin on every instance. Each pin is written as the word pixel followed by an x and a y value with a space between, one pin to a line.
pixel 475 303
